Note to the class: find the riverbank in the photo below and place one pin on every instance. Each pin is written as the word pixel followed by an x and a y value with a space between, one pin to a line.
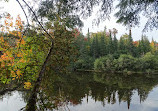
pixel 119 72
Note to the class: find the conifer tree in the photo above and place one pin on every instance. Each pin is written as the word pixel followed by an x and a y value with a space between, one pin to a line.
pixel 122 46
pixel 144 45
pixel 97 48
pixel 102 46
pixel 110 44
pixel 88 37
pixel 115 41
pixel 130 45
pixel 92 48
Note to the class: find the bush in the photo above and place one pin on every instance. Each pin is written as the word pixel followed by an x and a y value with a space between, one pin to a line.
pixel 126 62
pixel 84 63
pixel 99 63
pixel 138 65
pixel 105 63
pixel 149 62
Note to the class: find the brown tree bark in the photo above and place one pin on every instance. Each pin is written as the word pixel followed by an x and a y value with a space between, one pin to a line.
pixel 31 104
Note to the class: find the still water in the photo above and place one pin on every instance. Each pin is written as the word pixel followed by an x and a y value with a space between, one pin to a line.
pixel 90 92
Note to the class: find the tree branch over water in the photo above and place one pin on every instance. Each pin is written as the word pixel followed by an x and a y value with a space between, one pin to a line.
pixel 31 105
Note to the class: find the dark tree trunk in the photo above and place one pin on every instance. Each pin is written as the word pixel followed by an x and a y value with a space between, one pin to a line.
pixel 31 105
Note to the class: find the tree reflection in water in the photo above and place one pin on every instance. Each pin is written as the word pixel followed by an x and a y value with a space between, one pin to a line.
pixel 60 91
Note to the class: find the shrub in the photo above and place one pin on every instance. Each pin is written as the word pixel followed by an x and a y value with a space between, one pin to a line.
pixel 149 61
pixel 126 62
pixel 99 63
pixel 105 63
pixel 84 63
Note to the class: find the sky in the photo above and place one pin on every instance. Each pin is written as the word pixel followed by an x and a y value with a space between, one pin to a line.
pixel 110 24
pixel 14 9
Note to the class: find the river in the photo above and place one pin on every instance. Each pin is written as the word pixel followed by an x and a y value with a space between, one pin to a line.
pixel 89 92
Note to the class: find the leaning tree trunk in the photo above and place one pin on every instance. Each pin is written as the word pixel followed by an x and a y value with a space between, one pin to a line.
pixel 31 104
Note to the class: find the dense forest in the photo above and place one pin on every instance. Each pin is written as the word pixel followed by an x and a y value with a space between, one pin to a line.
pixel 102 51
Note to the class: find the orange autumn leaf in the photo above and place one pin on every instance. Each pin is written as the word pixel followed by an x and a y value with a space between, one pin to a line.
pixel 3 57
pixel 18 73
pixel 22 41
pixel 19 55
pixel 19 23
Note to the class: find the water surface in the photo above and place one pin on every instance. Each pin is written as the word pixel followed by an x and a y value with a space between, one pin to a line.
pixel 90 92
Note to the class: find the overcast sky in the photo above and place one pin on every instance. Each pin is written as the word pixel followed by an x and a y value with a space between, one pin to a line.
pixel 14 9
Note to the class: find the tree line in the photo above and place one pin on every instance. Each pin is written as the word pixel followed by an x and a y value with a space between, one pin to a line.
pixel 104 44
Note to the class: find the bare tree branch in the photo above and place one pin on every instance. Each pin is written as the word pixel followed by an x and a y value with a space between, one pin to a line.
pixel 37 19
pixel 24 12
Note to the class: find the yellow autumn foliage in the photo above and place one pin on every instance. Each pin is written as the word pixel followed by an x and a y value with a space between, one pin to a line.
pixel 22 61
pixel 19 34
pixel 13 75
pixel 13 53
pixel 2 39
pixel 27 85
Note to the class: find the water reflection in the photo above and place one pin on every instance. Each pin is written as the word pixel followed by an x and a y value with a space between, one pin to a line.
pixel 90 92
pixel 64 91
pixel 12 101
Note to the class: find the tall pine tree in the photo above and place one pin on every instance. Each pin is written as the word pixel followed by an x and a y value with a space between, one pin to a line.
pixel 115 41
pixel 130 45
pixel 102 46
pixel 110 44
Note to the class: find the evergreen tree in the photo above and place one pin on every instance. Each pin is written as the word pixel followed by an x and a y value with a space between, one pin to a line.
pixel 141 47
pixel 115 41
pixel 122 46
pixel 130 45
pixel 93 48
pixel 88 37
pixel 97 48
pixel 147 47
pixel 102 46
pixel 152 45
pixel 83 49
pixel 144 45
pixel 88 45
pixel 110 44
